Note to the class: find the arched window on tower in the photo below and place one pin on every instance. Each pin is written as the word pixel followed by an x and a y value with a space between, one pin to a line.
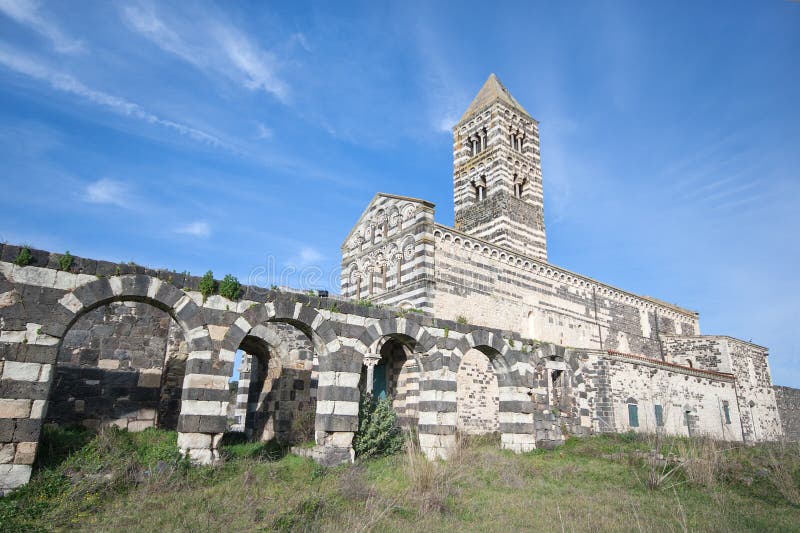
pixel 519 186
pixel 480 188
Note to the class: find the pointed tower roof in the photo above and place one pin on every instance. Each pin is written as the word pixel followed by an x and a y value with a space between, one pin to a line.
pixel 491 91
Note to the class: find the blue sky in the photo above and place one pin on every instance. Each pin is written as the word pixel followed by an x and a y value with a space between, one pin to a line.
pixel 247 137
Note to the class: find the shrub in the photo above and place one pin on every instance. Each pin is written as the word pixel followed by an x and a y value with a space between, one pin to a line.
pixel 230 287
pixel 378 431
pixel 302 429
pixel 207 285
pixel 24 258
pixel 65 261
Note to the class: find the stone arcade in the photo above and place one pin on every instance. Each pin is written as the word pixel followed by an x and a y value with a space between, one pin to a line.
pixel 477 333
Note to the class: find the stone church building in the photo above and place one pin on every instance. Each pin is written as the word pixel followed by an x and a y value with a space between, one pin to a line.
pixel 643 360
pixel 469 329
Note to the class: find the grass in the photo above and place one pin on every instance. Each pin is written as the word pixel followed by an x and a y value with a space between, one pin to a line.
pixel 120 481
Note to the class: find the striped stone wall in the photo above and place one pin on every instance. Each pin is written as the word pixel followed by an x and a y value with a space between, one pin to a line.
pixel 543 391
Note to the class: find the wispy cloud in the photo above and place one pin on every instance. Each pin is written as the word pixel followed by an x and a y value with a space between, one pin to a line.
pixel 306 256
pixel 263 132
pixel 59 81
pixel 195 229
pixel 211 46
pixel 108 191
pixel 27 13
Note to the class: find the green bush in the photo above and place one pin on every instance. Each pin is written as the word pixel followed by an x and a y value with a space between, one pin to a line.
pixel 65 261
pixel 230 287
pixel 378 432
pixel 207 285
pixel 24 258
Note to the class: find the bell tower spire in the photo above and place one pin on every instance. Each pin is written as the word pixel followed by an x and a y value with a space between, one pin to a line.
pixel 497 177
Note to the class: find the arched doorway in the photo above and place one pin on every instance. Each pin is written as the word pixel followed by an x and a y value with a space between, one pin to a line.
pixel 393 372
pixel 275 392
pixel 477 394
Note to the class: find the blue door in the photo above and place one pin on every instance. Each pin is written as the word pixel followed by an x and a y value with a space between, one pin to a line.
pixel 379 381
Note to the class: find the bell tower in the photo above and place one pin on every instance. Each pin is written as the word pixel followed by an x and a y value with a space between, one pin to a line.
pixel 497 176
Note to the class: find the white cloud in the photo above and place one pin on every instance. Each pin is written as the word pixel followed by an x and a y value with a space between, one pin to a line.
pixel 26 12
pixel 309 255
pixel 108 191
pixel 263 132
pixel 17 62
pixel 195 229
pixel 210 46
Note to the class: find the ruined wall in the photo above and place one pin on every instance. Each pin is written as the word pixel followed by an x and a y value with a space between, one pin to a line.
pixel 110 367
pixel 788 402
pixel 492 287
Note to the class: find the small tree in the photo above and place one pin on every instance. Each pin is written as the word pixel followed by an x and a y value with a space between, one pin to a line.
pixel 230 287
pixel 207 285
pixel 378 432
pixel 24 258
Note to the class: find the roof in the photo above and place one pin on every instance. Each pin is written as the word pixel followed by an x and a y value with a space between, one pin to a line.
pixel 492 91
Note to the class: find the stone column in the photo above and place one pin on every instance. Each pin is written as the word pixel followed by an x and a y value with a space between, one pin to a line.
pixel 370 361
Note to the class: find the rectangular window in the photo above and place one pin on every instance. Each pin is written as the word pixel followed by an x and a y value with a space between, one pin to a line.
pixel 633 415
pixel 726 411
pixel 659 416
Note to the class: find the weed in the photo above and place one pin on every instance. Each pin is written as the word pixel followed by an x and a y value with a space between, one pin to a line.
pixel 65 261
pixel 461 319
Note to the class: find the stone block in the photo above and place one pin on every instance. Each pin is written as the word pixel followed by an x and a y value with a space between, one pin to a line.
pixel 149 378
pixel 108 364
pixel 15 408
pixel 196 441
pixel 21 371
pixel 26 453
pixel 13 476
pixel 140 425
pixel 7 452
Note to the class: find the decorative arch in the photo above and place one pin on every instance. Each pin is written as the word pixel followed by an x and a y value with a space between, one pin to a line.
pixel 424 344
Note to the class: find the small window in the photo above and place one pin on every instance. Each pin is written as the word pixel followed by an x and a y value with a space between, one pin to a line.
pixel 659 415
pixel 726 411
pixel 633 415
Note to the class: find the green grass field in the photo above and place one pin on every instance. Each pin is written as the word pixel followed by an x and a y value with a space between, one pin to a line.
pixel 119 481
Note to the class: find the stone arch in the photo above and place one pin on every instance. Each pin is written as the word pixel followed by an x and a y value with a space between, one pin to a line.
pixel 200 413
pixel 339 368
pixel 515 373
pixel 102 291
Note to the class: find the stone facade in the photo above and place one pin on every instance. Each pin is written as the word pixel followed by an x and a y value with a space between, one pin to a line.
pixel 638 355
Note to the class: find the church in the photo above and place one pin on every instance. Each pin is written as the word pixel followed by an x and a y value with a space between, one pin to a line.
pixel 651 367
